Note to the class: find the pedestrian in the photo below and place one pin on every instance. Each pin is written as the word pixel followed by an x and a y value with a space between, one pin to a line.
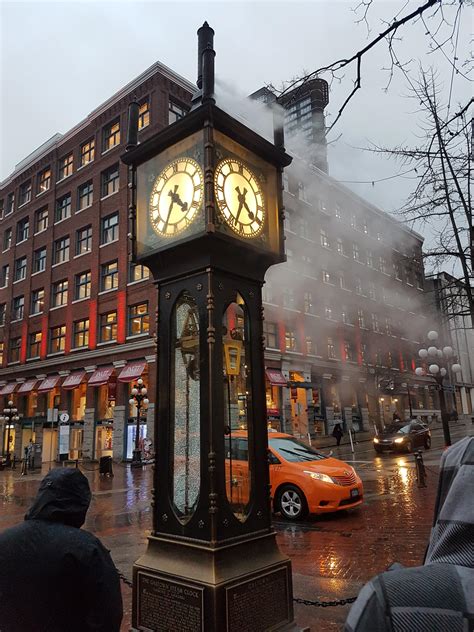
pixel 437 595
pixel 337 433
pixel 31 454
pixel 396 418
pixel 55 576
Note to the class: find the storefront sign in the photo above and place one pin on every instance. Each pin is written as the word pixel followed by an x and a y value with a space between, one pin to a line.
pixel 276 377
pixel 48 384
pixel 27 386
pixel 73 380
pixel 8 388
pixel 131 371
pixel 101 376
pixel 64 438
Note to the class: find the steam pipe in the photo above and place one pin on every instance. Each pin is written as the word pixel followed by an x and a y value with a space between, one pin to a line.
pixel 132 130
pixel 208 74
pixel 205 40
pixel 278 130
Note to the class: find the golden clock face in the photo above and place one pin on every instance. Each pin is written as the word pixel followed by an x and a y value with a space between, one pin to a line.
pixel 176 197
pixel 239 197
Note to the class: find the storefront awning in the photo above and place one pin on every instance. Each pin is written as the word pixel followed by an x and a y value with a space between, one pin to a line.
pixel 276 377
pixel 73 380
pixel 101 376
pixel 48 384
pixel 27 386
pixel 132 371
pixel 8 388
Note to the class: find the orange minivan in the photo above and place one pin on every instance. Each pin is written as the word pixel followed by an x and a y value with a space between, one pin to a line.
pixel 302 479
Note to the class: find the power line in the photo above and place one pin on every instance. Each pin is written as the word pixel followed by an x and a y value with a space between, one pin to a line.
pixel 372 182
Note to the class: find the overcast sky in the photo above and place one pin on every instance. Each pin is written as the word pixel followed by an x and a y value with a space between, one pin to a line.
pixel 60 60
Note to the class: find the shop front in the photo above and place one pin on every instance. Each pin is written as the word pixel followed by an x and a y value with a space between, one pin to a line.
pixel 274 383
pixel 301 401
pixel 128 375
pixel 105 385
pixel 76 390
pixel 9 430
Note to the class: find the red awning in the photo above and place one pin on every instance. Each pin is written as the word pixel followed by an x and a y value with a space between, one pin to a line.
pixel 48 384
pixel 131 371
pixel 73 380
pixel 27 386
pixel 8 388
pixel 101 376
pixel 276 377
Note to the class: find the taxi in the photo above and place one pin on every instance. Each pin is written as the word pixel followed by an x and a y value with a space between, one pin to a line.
pixel 303 481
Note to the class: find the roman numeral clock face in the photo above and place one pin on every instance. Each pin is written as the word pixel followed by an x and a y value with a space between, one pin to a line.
pixel 239 197
pixel 176 197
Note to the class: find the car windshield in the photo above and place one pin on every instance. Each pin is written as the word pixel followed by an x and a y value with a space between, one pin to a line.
pixel 392 428
pixel 294 451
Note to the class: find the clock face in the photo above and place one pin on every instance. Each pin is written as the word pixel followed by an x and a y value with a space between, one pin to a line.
pixel 176 197
pixel 239 197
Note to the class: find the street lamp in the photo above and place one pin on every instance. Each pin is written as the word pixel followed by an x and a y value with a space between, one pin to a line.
pixel 10 415
pixel 140 400
pixel 438 362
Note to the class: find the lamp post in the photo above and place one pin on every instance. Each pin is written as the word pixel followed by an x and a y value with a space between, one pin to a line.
pixel 140 400
pixel 10 415
pixel 438 361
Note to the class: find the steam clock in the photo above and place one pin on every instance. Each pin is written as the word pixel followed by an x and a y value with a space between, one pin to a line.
pixel 207 220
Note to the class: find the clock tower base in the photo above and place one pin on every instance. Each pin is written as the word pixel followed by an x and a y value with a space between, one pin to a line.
pixel 239 587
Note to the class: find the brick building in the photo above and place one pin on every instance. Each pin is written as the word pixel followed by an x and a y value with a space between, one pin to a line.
pixel 77 319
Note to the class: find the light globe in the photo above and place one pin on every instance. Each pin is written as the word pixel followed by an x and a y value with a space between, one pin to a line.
pixel 432 351
pixel 146 401
pixel 139 381
pixel 434 369
pixel 448 351
pixel 456 368
pixel 433 335
pixel 423 353
pixel 134 391
pixel 443 372
pixel 131 402
pixel 419 371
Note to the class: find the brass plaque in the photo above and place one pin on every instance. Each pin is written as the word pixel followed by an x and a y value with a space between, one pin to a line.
pixel 258 604
pixel 164 605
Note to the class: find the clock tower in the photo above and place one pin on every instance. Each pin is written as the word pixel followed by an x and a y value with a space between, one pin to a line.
pixel 206 217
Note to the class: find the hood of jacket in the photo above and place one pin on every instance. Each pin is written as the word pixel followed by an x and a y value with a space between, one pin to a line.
pixel 452 535
pixel 63 496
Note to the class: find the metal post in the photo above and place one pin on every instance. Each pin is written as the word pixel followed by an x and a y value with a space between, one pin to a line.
pixel 409 400
pixel 444 413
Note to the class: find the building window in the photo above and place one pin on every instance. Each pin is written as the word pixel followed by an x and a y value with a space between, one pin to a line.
pixel 34 345
pixel 378 357
pixel 109 276
pixel 289 297
pixel 65 167
pixel 372 291
pixel 22 230
pixel 370 259
pixel 398 271
pixel 338 211
pixel 109 229
pixel 310 346
pixel 361 318
pixel 267 292
pixel 44 180
pixel 375 322
pixel 108 327
pixel 2 347
pixel 110 181
pixel 342 282
pixel 59 293
pixel 138 319
pixel 37 301
pixel 326 277
pixel 176 112
pixel 41 219
pixel 82 285
pixel 408 276
pixel 302 192
pixel 290 340
pixel 85 195
pixel 111 135
pixel 382 265
pixel 81 333
pixel 39 260
pixel 388 326
pixel 270 332
pixel 87 152
pixel 3 313
pixel 83 240
pixel 309 307
pixel 144 114
pixel 328 311
pixel 137 272
pixel 18 307
pixel 57 339
pixel 61 250
pixel 331 349
pixel 63 208
pixel 15 346
pixel 324 239
pixel 20 269
pixel 419 280
pixel 353 221
pixel 365 226
pixel 340 247
pixel 7 238
pixel 10 203
pixel 5 275
pixel 348 351
pixel 355 252
pixel 2 207
pixel 345 315
pixel 25 193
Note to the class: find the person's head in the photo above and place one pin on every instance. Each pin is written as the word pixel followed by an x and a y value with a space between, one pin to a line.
pixel 63 496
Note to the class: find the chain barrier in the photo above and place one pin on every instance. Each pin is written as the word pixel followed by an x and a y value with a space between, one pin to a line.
pixel 304 602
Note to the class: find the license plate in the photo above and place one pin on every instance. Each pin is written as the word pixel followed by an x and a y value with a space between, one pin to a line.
pixel 354 493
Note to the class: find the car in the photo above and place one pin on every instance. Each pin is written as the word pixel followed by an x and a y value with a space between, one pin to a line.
pixel 403 437
pixel 303 481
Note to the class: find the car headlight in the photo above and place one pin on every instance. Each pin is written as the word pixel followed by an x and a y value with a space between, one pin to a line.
pixel 376 440
pixel 400 440
pixel 319 477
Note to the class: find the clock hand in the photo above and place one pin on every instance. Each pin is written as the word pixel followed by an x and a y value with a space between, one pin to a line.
pixel 242 202
pixel 175 199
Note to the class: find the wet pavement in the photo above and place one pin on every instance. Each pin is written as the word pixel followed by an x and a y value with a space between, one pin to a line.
pixel 332 556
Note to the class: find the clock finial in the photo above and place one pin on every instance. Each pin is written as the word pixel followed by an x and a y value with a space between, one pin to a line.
pixel 205 39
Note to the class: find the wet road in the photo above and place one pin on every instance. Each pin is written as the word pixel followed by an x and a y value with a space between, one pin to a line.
pixel 332 555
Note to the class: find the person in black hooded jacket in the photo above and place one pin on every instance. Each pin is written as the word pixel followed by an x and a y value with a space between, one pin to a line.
pixel 54 576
